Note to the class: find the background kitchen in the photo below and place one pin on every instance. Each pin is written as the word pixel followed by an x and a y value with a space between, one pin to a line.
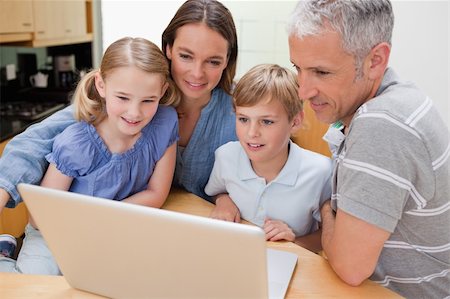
pixel 46 45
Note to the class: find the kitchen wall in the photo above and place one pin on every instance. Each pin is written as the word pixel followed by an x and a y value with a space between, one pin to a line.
pixel 420 41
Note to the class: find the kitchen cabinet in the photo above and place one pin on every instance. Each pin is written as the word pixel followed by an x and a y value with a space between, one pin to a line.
pixel 53 23
pixel 59 22
pixel 16 20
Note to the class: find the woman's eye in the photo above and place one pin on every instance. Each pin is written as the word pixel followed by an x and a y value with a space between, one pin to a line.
pixel 243 119
pixel 215 62
pixel 184 56
pixel 122 98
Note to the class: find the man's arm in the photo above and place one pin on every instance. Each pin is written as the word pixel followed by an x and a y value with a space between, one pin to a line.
pixel 351 245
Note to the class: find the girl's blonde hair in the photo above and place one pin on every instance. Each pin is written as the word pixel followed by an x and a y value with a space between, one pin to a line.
pixel 269 82
pixel 125 52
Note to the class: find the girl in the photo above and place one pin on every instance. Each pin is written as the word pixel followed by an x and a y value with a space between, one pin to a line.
pixel 201 44
pixel 124 145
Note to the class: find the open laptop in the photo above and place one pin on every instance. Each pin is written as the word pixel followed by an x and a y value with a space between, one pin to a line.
pixel 123 250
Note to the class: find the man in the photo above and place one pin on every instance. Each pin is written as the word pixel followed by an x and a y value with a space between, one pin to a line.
pixel 389 215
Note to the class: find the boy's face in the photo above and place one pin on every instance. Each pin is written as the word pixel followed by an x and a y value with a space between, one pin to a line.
pixel 264 131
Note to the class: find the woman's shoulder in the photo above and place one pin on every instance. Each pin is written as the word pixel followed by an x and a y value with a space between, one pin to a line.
pixel 165 115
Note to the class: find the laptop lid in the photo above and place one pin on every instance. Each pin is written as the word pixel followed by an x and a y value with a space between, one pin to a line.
pixel 123 250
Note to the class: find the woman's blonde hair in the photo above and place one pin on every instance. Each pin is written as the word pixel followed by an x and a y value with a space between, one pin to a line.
pixel 269 82
pixel 125 52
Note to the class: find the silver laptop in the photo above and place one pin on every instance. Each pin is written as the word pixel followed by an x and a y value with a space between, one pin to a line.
pixel 122 250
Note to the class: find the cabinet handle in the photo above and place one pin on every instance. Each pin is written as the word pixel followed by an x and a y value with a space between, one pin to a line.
pixel 26 24
pixel 68 30
pixel 41 32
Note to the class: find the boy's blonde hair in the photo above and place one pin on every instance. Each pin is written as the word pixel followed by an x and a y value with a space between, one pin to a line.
pixel 125 52
pixel 269 82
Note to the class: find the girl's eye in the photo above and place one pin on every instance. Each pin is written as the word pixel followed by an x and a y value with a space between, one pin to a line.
pixel 267 122
pixel 122 98
pixel 243 119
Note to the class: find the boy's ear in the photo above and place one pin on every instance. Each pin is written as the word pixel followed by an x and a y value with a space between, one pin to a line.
pixel 100 85
pixel 297 121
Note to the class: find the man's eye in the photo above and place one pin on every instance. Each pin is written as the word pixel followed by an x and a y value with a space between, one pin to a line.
pixel 322 73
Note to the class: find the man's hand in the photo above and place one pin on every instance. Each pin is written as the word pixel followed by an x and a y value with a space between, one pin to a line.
pixel 278 230
pixel 225 209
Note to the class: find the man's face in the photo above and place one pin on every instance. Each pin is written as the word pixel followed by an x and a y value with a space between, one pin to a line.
pixel 327 77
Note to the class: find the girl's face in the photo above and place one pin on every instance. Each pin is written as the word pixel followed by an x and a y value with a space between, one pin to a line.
pixel 199 57
pixel 132 97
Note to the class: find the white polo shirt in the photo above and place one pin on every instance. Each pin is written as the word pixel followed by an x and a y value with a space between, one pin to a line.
pixel 293 197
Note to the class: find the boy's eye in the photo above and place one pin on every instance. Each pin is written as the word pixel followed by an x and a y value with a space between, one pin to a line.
pixel 267 122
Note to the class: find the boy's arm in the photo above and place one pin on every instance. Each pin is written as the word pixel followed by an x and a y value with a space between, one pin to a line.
pixel 159 183
pixel 23 159
pixel 225 209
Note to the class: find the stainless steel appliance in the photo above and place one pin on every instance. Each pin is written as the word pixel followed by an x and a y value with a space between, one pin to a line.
pixel 64 68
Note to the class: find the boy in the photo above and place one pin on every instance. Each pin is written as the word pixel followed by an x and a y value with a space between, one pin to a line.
pixel 274 183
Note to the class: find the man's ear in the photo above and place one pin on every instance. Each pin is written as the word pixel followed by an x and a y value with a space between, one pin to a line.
pixel 377 60
pixel 100 85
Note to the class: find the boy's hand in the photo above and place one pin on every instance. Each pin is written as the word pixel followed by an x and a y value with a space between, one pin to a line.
pixel 278 230
pixel 225 209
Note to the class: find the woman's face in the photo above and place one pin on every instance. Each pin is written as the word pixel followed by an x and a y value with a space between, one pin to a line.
pixel 199 57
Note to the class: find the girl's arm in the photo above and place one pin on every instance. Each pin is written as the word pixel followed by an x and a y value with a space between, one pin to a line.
pixel 54 179
pixel 159 183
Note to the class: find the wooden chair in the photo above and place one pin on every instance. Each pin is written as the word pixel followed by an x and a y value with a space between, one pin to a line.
pixel 310 135
pixel 13 221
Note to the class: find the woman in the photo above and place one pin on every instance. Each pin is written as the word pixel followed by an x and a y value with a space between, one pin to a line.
pixel 201 45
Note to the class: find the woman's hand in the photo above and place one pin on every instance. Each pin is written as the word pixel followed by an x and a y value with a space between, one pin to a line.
pixel 225 209
pixel 278 230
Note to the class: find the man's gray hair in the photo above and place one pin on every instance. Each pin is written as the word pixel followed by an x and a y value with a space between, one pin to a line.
pixel 362 24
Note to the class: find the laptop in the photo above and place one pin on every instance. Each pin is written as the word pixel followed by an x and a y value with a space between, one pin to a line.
pixel 122 250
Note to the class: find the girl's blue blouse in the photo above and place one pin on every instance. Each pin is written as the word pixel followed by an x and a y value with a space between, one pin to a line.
pixel 81 153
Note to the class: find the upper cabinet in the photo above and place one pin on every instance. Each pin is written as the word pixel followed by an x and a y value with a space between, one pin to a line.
pixel 52 22
pixel 16 20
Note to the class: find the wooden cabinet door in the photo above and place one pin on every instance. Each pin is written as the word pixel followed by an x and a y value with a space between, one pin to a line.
pixel 59 19
pixel 48 19
pixel 16 16
pixel 74 13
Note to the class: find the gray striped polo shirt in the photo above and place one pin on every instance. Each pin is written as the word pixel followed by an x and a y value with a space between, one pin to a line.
pixel 392 170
